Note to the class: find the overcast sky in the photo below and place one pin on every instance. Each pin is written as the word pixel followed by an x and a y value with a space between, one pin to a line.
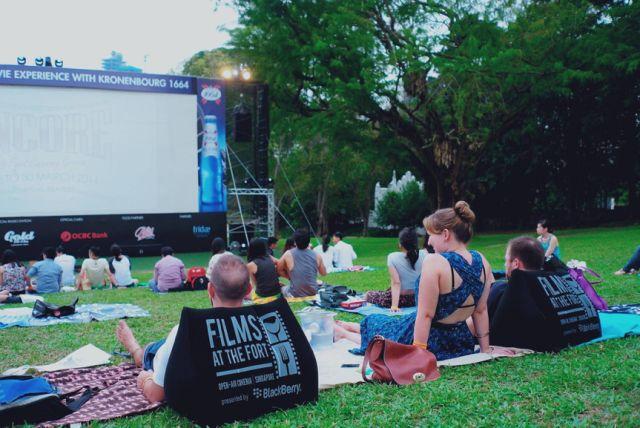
pixel 157 36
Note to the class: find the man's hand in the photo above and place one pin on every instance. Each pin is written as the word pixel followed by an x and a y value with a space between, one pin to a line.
pixel 144 375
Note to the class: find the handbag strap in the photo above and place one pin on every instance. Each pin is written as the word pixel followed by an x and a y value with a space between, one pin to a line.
pixel 593 273
pixel 75 404
pixel 376 341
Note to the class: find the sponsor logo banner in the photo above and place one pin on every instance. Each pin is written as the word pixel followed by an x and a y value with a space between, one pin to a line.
pixel 19 239
pixel 67 236
pixel 201 231
pixel 145 232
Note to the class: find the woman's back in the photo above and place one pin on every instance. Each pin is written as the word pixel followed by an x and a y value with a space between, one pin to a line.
pixel 460 287
pixel 407 273
pixel 122 270
pixel 267 283
pixel 13 278
pixel 327 256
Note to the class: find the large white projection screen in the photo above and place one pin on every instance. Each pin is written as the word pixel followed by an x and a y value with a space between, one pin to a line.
pixel 87 151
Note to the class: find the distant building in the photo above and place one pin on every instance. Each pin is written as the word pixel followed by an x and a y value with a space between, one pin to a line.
pixel 394 185
pixel 116 63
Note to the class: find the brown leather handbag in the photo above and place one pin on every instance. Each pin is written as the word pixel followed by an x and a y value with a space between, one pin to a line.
pixel 393 362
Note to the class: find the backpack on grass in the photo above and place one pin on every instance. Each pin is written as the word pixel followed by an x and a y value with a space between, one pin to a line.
pixel 30 400
pixel 196 279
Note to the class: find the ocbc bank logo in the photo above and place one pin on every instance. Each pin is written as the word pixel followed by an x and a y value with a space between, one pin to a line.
pixel 67 236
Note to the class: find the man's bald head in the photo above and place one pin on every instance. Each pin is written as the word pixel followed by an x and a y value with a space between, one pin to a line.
pixel 230 278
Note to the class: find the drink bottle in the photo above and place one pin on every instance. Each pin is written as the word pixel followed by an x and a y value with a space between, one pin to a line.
pixel 211 193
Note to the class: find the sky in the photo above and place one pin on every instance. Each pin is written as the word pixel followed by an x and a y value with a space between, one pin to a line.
pixel 157 36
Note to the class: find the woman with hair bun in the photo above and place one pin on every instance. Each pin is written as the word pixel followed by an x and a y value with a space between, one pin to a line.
pixel 454 285
pixel 404 269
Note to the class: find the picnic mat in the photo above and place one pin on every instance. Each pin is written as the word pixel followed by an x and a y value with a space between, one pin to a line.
pixel 21 317
pixel 370 309
pixel 330 360
pixel 332 372
pixel 357 268
pixel 87 356
pixel 117 393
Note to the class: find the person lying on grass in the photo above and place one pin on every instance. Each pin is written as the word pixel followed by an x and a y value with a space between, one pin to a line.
pixel 228 287
pixel 454 285
pixel 523 253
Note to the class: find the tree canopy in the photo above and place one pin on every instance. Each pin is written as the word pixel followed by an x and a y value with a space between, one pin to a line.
pixel 519 107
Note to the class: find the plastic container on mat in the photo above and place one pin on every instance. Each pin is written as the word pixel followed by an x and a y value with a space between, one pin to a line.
pixel 317 325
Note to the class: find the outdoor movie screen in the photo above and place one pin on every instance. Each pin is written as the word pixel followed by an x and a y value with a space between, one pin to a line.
pixel 92 158
pixel 81 151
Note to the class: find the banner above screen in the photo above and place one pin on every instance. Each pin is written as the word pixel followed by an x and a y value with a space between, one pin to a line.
pixel 95 79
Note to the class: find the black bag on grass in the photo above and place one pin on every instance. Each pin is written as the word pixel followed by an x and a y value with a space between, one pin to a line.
pixel 230 364
pixel 543 311
pixel 332 295
pixel 30 400
pixel 42 309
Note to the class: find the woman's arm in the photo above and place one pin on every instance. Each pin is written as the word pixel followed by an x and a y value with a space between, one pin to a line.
pixel 553 244
pixel 480 315
pixel 395 288
pixel 321 269
pixel 427 298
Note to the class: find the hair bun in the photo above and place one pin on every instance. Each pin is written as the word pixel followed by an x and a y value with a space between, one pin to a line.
pixel 463 210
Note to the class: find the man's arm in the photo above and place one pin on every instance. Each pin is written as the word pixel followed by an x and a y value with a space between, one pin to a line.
pixel 283 266
pixel 183 274
pixel 151 390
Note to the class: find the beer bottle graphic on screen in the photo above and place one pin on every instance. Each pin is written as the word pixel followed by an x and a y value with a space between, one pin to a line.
pixel 211 186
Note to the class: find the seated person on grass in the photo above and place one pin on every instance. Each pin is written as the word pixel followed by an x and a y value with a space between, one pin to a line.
pixel 168 272
pixel 404 269
pixel 522 253
pixel 95 272
pixel 262 267
pixel 13 275
pixel 46 273
pixel 301 266
pixel 228 287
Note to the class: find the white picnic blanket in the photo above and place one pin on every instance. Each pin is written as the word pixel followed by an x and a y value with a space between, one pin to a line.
pixel 87 356
pixel 331 372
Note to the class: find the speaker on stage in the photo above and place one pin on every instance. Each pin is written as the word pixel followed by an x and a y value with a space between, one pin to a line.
pixel 242 124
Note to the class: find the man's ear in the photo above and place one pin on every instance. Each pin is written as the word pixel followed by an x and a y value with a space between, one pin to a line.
pixel 211 290
pixel 517 264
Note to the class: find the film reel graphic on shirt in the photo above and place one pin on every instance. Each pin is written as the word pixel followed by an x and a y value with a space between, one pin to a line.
pixel 284 357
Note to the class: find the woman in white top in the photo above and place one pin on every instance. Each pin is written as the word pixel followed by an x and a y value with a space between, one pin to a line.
pixel 326 252
pixel 218 249
pixel 120 267
pixel 404 269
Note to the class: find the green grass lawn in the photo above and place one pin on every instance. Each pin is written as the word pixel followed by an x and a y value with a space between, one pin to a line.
pixel 596 384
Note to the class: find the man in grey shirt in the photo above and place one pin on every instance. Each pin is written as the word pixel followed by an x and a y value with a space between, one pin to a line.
pixel 301 266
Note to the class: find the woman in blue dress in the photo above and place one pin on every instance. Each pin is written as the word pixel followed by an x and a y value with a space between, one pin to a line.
pixel 454 286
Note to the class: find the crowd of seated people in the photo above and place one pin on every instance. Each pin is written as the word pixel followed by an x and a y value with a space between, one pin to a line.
pixel 452 286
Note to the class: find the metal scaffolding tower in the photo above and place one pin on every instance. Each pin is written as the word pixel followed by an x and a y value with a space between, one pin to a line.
pixel 259 225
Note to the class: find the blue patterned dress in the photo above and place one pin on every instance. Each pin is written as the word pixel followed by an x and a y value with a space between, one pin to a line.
pixel 445 340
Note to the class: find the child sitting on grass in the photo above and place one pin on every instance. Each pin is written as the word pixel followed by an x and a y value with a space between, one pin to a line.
pixel 229 285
